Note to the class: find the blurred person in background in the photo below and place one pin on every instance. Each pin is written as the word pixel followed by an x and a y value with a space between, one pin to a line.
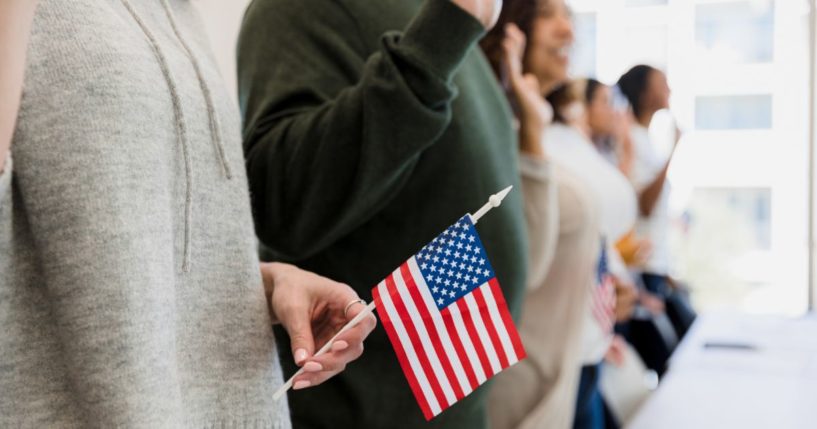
pixel 528 51
pixel 568 142
pixel 647 92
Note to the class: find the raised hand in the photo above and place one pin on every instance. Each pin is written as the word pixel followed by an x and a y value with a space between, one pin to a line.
pixel 534 112
pixel 486 11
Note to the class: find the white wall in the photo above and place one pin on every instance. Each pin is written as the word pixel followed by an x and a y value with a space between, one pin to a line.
pixel 222 19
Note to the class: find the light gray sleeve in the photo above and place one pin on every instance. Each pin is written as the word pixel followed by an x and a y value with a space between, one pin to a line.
pixel 541 215
pixel 5 181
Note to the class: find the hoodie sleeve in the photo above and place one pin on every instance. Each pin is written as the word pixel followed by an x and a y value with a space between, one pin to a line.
pixel 5 182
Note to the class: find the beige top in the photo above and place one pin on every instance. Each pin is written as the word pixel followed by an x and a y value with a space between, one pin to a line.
pixel 540 392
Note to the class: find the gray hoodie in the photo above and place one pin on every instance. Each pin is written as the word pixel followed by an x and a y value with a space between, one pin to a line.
pixel 130 293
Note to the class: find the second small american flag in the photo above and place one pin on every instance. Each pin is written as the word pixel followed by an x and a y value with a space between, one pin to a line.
pixel 447 319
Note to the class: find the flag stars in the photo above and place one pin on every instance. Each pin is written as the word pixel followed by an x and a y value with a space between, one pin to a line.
pixel 436 259
pixel 459 245
pixel 424 266
pixel 435 289
pixel 473 259
pixel 467 277
pixel 433 268
pixel 468 248
pixel 462 236
pixel 447 282
pixel 440 301
pixel 447 252
pixel 470 238
pixel 452 294
pixel 456 255
pixel 445 261
pixel 474 279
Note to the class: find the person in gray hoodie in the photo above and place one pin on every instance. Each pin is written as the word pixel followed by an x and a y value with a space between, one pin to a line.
pixel 130 290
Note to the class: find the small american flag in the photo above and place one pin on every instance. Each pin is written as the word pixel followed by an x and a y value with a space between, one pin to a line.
pixel 603 300
pixel 447 319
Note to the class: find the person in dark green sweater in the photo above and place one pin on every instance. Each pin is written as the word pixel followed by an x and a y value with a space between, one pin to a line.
pixel 369 127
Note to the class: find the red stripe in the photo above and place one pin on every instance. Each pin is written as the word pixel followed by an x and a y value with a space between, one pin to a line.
pixel 385 321
pixel 433 335
pixel 489 326
pixel 422 356
pixel 448 321
pixel 472 333
pixel 510 328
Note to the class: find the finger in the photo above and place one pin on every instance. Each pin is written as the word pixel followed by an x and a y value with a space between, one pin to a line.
pixel 299 328
pixel 368 322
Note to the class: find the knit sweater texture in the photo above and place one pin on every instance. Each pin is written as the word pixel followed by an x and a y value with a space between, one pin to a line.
pixel 130 292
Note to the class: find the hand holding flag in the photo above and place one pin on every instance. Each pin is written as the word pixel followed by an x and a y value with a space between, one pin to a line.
pixel 446 317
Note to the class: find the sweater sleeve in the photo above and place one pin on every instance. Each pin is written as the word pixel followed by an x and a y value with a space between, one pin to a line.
pixel 333 131
pixel 5 181
pixel 541 215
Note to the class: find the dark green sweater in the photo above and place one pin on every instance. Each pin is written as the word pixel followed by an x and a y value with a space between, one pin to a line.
pixel 367 133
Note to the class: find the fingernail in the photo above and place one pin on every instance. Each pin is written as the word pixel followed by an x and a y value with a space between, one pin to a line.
pixel 300 356
pixel 339 345
pixel 313 367
pixel 303 384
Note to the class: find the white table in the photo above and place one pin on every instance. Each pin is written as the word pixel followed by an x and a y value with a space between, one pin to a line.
pixel 772 385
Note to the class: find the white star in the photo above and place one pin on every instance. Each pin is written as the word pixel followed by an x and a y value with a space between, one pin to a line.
pixel 474 280
pixel 479 271
pixel 462 266
pixel 467 277
pixel 435 289
pixel 445 291
pixel 458 276
pixel 459 245
pixel 439 280
pixel 445 261
pixel 464 287
pixel 430 248
pixel 452 294
pixel 445 232
pixel 447 252
pixel 470 269
pixel 476 249
pixel 440 301
pixel 424 266
pixel 462 236
pixel 465 225
pixel 456 254
pixel 435 259
pixel 433 268
pixel 471 238
pixel 487 273
pixel 473 259
pixel 447 282
pixel 456 284
pixel 481 261
pixel 468 247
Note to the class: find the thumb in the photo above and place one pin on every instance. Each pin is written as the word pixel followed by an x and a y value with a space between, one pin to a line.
pixel 299 328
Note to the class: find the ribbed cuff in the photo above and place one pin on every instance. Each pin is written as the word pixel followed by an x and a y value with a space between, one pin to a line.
pixel 535 168
pixel 441 35
pixel 5 178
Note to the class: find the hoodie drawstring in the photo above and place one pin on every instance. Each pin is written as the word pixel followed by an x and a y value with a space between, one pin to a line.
pixel 179 119
pixel 205 90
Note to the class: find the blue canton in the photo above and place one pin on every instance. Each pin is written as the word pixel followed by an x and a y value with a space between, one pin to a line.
pixel 454 263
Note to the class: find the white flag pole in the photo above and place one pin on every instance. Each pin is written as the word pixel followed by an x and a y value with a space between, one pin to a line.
pixel 494 201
